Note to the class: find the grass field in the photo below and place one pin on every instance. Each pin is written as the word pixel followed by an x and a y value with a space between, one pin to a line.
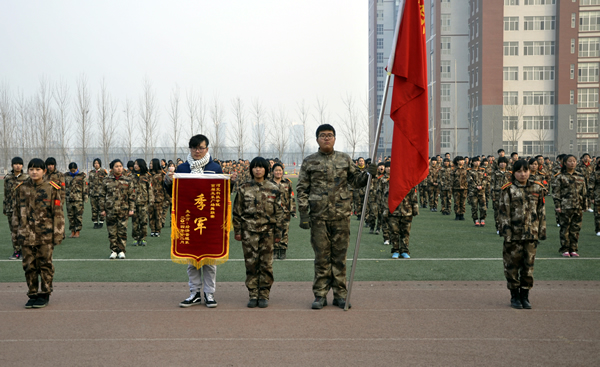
pixel 441 249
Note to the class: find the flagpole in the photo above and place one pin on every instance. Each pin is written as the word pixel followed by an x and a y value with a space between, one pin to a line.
pixel 365 200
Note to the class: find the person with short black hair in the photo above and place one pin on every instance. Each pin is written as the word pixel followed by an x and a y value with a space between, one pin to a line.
pixel 144 199
pixel 445 184
pixel 594 195
pixel 289 209
pixel 460 186
pixel 476 183
pixel 76 195
pixel 52 174
pixel 96 178
pixel 14 178
pixel 156 210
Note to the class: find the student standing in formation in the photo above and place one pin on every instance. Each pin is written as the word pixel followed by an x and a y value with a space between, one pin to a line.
pixel 12 180
pixel 476 182
pixel 569 193
pixel 158 191
pixel 459 187
pixel 445 180
pixel 373 217
pixel 143 200
pixel 433 184
pixel 77 194
pixel 594 195
pixel 500 177
pixel 385 225
pixel 258 218
pixel 522 216
pixel 96 179
pixel 289 209
pixel 39 219
pixel 117 203
pixel 54 175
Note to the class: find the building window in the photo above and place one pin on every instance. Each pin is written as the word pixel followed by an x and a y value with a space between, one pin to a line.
pixel 572 45
pixel 538 73
pixel 570 122
pixel 445 115
pixel 510 146
pixel 510 122
pixel 572 97
pixel 445 93
pixel 445 69
pixel 539 23
pixel 380 43
pixel 589 47
pixel 445 45
pixel 538 98
pixel 380 85
pixel 537 147
pixel 538 48
pixel 379 29
pixel 587 72
pixel 379 99
pixel 445 4
pixel 587 98
pixel 511 73
pixel 587 146
pixel 572 71
pixel 589 2
pixel 538 122
pixel 379 72
pixel 539 2
pixel 380 57
pixel 511 23
pixel 511 2
pixel 511 48
pixel 587 122
pixel 589 21
pixel 510 98
pixel 573 20
pixel 445 139
pixel 445 18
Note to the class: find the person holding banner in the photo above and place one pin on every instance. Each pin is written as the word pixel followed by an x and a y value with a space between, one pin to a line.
pixel 325 208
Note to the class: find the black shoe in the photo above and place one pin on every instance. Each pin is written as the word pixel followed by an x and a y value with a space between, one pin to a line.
pixel 524 294
pixel 457 217
pixel 252 303
pixel 192 300
pixel 282 255
pixel 275 253
pixel 462 217
pixel 358 217
pixel 31 301
pixel 100 225
pixel 157 234
pixel 95 225
pixel 209 300
pixel 377 232
pixel 341 303
pixel 15 256
pixel 515 299
pixel 371 230
pixel 263 303
pixel 41 301
pixel 319 303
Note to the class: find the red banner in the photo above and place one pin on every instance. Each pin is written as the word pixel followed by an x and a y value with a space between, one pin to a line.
pixel 201 219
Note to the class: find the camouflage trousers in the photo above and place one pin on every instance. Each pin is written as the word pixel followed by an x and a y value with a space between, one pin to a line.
pixel 95 203
pixel 116 224
pixel 330 240
pixel 75 214
pixel 400 233
pixel 460 199
pixel 166 211
pixel 156 216
pixel 496 205
pixel 358 201
pixel 519 257
pixel 433 192
pixel 373 218
pixel 385 227
pixel 570 224
pixel 423 195
pixel 446 197
pixel 283 243
pixel 478 206
pixel 139 223
pixel 258 257
pixel 597 218
pixel 13 234
pixel 37 263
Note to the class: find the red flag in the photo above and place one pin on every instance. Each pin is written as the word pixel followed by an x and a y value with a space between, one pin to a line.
pixel 408 63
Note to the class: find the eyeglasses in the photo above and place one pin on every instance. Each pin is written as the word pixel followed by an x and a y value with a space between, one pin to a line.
pixel 326 136
pixel 199 149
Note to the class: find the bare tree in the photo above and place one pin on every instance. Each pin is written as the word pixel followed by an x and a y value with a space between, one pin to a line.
pixel 7 122
pixel 63 133
pixel 301 134
pixel 25 115
pixel 238 132
pixel 130 129
pixel 322 115
pixel 351 126
pixel 217 116
pixel 175 120
pixel 280 131
pixel 541 128
pixel 260 137
pixel 513 125
pixel 148 119
pixel 83 117
pixel 43 116
pixel 106 120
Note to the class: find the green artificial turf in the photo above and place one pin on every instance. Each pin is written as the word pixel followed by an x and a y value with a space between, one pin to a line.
pixel 441 249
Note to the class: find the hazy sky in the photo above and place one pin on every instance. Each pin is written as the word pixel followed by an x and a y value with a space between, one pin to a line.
pixel 277 50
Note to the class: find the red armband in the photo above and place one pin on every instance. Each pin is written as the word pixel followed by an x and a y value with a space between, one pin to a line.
pixel 57 202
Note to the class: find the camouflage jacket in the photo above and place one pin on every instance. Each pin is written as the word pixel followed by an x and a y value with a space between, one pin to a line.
pixel 58 178
pixel 76 187
pixel 476 177
pixel 158 190
pixel 433 177
pixel 323 185
pixel 142 186
pixel 288 201
pixel 569 190
pixel 488 176
pixel 459 179
pixel 539 177
pixel 594 187
pixel 446 176
pixel 95 180
pixel 522 211
pixel 117 196
pixel 585 170
pixel 373 189
pixel 38 215
pixel 499 179
pixel 258 208
pixel 408 207
pixel 10 182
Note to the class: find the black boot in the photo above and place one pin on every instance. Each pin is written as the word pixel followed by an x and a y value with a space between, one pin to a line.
pixel 457 217
pixel 524 293
pixel 95 225
pixel 515 299
pixel 282 255
pixel 275 253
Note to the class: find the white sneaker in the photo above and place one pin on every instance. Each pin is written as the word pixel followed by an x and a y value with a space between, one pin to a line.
pixel 121 255
pixel 590 210
pixel 113 255
pixel 598 234
pixel 558 225
pixel 497 232
pixel 386 242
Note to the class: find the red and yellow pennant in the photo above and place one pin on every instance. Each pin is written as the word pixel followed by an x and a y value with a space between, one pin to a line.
pixel 200 219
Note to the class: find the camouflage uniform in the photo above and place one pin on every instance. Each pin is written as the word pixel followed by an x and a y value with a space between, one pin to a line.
pixel 499 179
pixel 10 183
pixel 77 194
pixel 39 219
pixel 59 179
pixel 144 198
pixel 156 209
pixel 522 217
pixel 423 193
pixel 95 180
pixel 323 188
pixel 488 183
pixel 257 217
pixel 117 198
pixel 385 227
pixel 166 207
pixel 359 196
pixel 586 171
pixel 594 195
pixel 459 188
pixel 477 177
pixel 569 192
pixel 445 180
pixel 433 186
pixel 400 220
pixel 373 214
pixel 289 207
